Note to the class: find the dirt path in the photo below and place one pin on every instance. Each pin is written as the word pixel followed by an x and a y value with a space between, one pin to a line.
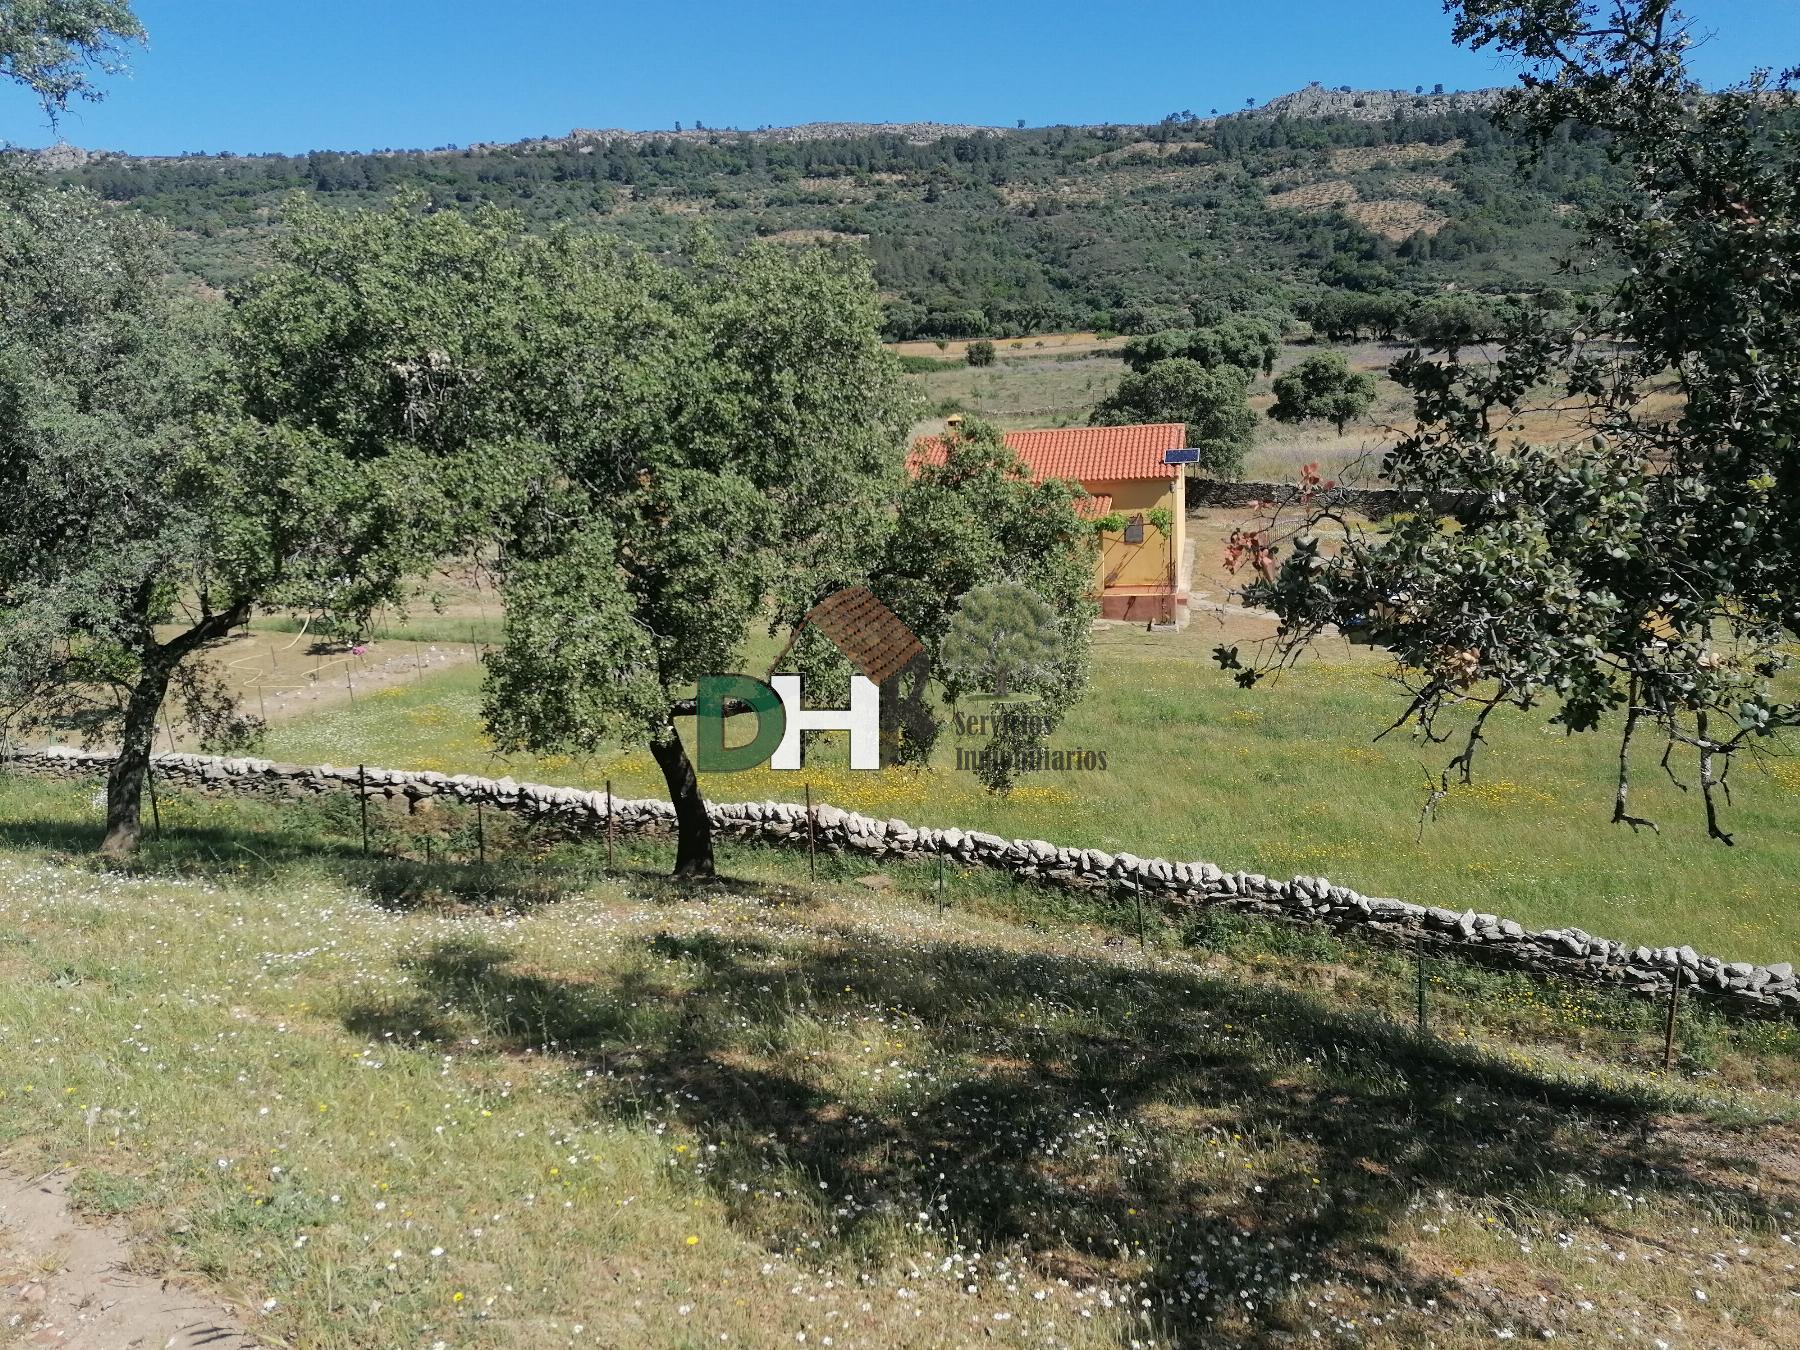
pixel 65 1281
pixel 311 682
pixel 280 676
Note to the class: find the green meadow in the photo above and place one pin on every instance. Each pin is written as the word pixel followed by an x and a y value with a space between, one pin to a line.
pixel 546 1102
pixel 1286 779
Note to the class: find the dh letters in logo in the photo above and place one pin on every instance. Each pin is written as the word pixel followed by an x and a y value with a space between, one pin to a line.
pixel 781 717
pixel 871 637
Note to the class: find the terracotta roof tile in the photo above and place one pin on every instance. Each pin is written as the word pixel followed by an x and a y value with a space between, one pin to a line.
pixel 1082 454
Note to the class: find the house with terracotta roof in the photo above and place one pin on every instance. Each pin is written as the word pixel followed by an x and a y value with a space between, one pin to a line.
pixel 1123 471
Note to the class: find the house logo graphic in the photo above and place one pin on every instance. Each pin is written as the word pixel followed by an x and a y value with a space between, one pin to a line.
pixel 872 639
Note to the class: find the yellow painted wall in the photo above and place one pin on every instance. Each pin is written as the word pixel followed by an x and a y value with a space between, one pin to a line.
pixel 1147 564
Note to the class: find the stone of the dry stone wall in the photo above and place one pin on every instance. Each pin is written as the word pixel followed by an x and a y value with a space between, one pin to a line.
pixel 1566 953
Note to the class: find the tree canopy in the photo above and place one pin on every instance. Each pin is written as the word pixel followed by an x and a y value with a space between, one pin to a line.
pixel 1215 404
pixel 1322 386
pixel 157 493
pixel 1645 577
pixel 687 450
pixel 1002 636
pixel 56 47
pixel 979 518
pixel 1248 343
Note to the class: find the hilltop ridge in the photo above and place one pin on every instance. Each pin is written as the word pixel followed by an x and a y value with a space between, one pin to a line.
pixel 915 133
pixel 979 231
pixel 1314 101
pixel 1371 105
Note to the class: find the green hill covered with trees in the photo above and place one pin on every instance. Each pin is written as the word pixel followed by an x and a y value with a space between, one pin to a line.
pixel 1131 229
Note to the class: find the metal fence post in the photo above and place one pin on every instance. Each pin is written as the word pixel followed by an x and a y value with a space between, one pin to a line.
pixel 1669 1029
pixel 1420 954
pixel 812 843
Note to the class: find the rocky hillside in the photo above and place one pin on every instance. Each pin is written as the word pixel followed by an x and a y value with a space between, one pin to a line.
pixel 980 231
pixel 1372 105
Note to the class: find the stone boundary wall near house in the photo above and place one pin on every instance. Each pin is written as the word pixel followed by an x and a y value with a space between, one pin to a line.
pixel 1566 952
pixel 1374 503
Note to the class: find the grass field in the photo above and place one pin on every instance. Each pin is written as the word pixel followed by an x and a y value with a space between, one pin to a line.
pixel 1059 384
pixel 532 1106
pixel 1039 343
pixel 1283 780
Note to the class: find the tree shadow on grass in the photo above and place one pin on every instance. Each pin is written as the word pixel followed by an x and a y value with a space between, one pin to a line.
pixel 474 982
pixel 186 849
pixel 1068 1105
pixel 270 843
pixel 800 895
pixel 247 856
pixel 402 885
pixel 57 836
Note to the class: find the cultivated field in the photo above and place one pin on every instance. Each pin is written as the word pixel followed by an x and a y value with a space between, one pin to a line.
pixel 532 1105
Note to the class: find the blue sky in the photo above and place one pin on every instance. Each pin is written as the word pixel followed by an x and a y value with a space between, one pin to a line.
pixel 251 75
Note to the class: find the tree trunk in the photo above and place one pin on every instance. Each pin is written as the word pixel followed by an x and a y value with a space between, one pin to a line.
pixel 157 664
pixel 693 831
pixel 125 782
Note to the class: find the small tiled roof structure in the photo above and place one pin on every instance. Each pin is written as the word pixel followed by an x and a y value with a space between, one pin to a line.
pixel 869 634
pixel 1082 454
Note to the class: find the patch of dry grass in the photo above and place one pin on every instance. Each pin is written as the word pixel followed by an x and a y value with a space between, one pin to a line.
pixel 813 236
pixel 1349 159
pixel 1317 196
pixel 1421 184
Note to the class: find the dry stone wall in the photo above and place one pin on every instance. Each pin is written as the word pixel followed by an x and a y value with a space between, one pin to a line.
pixel 1564 952
pixel 1375 503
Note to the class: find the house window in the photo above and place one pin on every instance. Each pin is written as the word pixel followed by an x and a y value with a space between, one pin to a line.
pixel 1134 531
